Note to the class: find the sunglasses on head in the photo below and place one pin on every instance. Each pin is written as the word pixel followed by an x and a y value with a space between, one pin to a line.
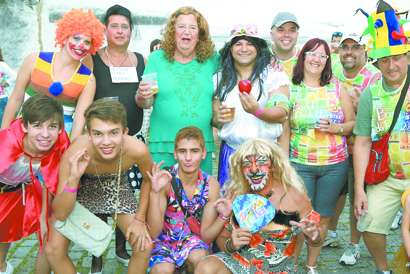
pixel 337 33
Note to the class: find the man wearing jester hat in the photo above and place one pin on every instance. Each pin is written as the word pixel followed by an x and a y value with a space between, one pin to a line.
pixel 374 117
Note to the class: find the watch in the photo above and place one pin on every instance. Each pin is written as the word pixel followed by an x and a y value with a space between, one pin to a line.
pixel 340 128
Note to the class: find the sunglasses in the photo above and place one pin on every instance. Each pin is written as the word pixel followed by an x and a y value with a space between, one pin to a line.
pixel 337 33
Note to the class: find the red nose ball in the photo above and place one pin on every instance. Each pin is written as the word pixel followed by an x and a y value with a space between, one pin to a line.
pixel 245 86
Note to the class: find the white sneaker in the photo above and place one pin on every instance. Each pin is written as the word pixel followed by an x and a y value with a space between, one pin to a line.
pixel 9 269
pixel 350 256
pixel 332 241
pixel 397 220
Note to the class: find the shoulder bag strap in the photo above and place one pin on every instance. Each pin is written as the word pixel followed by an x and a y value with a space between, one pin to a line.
pixel 401 100
pixel 175 188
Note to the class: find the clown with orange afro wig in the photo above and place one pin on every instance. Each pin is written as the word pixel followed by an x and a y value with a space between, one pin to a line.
pixel 61 74
pixel 79 21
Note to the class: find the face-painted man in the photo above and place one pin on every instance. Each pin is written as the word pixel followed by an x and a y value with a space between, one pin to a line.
pixel 257 169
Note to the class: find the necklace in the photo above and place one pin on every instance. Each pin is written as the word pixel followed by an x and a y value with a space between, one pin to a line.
pixel 98 176
pixel 109 61
pixel 267 196
pixel 118 175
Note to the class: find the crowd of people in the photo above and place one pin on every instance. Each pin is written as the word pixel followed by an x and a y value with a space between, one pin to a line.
pixel 296 129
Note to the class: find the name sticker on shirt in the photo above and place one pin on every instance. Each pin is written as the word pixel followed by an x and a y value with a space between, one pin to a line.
pixel 253 211
pixel 124 75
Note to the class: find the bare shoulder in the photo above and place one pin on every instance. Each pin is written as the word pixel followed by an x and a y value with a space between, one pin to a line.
pixel 134 145
pixel 296 201
pixel 88 62
pixel 32 56
pixel 214 188
pixel 135 149
pixel 30 60
pixel 80 142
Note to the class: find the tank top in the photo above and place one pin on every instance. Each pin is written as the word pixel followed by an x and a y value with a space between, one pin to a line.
pixel 123 92
pixel 42 77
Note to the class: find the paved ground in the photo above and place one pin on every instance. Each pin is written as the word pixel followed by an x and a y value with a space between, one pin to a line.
pixel 22 254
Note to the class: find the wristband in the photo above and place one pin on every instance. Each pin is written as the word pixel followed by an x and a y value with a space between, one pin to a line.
pixel 69 189
pixel 139 220
pixel 142 100
pixel 223 218
pixel 259 112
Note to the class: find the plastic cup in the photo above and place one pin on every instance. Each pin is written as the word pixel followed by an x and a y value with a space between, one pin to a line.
pixel 336 45
pixel 152 79
pixel 231 106
pixel 319 135
pixel 364 221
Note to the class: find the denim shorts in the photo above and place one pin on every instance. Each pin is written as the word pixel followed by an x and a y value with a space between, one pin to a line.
pixel 323 184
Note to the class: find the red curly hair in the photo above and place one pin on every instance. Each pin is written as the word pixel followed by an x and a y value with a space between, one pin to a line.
pixel 79 21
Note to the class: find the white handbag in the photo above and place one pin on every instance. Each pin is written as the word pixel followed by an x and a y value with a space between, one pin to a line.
pixel 87 230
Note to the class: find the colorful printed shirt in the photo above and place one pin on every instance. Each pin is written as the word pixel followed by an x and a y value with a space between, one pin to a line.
pixel 289 64
pixel 176 240
pixel 334 58
pixel 308 106
pixel 361 81
pixel 42 77
pixel 384 104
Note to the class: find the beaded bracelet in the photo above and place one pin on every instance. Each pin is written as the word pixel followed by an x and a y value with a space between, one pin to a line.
pixel 69 189
pixel 223 218
pixel 259 112
pixel 144 222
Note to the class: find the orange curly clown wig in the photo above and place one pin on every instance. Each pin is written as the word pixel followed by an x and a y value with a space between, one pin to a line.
pixel 79 21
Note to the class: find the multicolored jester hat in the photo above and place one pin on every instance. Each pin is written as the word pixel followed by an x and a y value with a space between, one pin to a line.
pixel 385 27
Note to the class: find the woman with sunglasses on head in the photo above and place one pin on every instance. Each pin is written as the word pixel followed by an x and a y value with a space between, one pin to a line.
pixel 322 115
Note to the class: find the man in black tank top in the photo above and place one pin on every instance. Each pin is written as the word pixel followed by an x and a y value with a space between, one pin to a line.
pixel 118 73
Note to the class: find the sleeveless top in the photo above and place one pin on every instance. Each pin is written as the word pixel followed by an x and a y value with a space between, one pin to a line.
pixel 384 104
pixel 175 226
pixel 308 106
pixel 42 77
pixel 123 92
pixel 361 81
